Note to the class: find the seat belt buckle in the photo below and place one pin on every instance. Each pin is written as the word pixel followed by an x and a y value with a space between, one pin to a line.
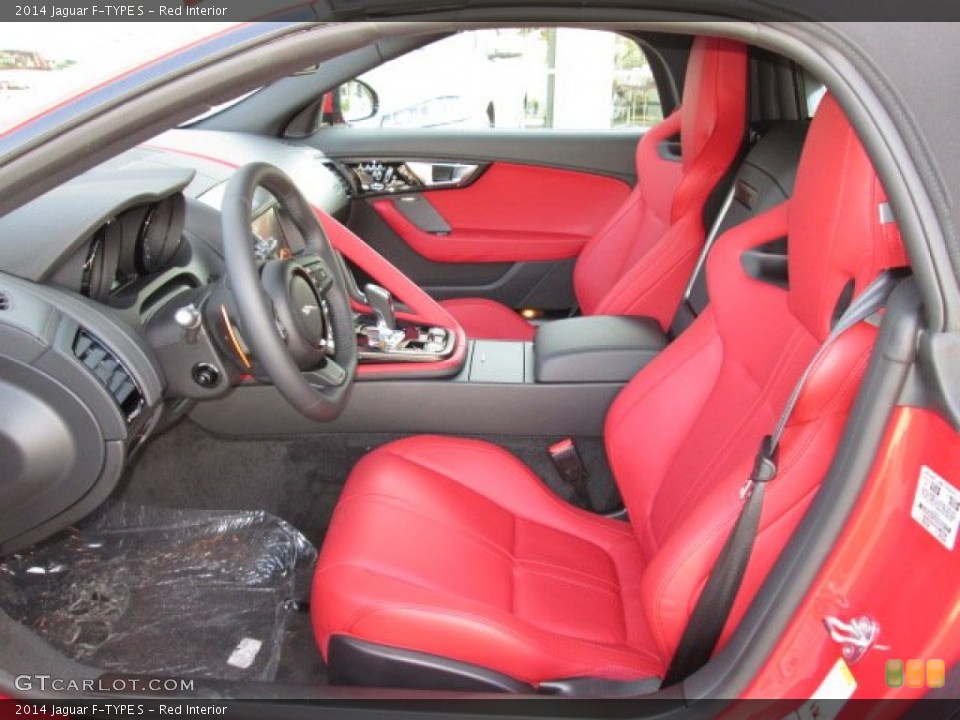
pixel 764 466
pixel 566 459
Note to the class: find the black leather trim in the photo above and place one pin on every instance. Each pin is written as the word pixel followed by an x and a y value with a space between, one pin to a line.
pixel 768 263
pixel 597 348
pixel 351 661
pixel 421 213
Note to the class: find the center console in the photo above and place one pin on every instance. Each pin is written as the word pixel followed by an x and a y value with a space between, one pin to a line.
pixel 380 338
pixel 560 384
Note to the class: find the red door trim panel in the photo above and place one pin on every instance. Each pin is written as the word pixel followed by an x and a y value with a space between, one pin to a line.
pixel 513 213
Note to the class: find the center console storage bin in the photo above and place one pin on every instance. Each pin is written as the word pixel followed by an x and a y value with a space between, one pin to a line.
pixel 598 348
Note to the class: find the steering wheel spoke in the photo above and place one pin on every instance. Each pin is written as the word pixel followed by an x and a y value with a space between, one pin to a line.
pixel 317 271
pixel 329 375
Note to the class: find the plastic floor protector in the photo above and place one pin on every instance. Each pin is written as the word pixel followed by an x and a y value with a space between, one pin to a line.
pixel 156 591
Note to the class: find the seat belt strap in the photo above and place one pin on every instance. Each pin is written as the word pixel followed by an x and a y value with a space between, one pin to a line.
pixel 685 313
pixel 712 610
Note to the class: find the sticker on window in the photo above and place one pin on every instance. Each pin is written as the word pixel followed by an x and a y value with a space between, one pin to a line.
pixel 936 506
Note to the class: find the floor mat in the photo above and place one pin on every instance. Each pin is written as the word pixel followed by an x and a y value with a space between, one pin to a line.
pixel 300 661
pixel 297 479
pixel 160 591
pixel 300 479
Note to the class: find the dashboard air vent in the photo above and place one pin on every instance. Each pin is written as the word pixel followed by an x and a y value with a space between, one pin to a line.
pixel 344 183
pixel 4 301
pixel 111 374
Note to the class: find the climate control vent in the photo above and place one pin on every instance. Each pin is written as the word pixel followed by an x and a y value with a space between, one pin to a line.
pixel 344 183
pixel 4 301
pixel 111 374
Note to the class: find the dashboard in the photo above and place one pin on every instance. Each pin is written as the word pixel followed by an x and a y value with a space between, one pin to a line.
pixel 92 276
pixel 138 242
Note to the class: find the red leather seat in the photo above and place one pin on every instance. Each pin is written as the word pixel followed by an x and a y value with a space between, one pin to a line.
pixel 453 548
pixel 640 261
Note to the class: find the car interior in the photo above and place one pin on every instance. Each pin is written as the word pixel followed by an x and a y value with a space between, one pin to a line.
pixel 291 405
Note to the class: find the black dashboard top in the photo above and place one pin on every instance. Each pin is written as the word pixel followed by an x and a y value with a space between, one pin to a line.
pixel 36 239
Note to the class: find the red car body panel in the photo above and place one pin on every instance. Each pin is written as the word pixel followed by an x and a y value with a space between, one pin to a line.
pixel 886 566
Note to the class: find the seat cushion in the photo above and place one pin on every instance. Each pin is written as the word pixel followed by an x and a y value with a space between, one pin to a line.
pixel 453 547
pixel 483 319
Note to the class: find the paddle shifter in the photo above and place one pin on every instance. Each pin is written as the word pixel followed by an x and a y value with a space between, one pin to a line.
pixel 385 341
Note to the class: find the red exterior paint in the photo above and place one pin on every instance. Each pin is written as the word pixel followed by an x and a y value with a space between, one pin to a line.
pixel 514 213
pixel 886 566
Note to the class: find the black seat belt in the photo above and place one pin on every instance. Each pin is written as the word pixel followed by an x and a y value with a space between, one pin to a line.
pixel 712 610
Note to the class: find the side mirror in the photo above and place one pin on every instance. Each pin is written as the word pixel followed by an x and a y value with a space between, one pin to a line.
pixel 357 101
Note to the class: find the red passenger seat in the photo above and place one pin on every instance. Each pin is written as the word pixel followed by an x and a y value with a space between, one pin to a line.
pixel 639 262
pixel 449 554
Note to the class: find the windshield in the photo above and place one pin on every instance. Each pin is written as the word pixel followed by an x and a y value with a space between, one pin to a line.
pixel 44 64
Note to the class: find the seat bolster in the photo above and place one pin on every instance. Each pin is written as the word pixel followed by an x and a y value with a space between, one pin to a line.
pixel 652 287
pixel 483 319
pixel 454 548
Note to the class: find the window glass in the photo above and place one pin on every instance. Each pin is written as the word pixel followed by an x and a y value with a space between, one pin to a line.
pixel 556 78
pixel 45 63
pixel 814 90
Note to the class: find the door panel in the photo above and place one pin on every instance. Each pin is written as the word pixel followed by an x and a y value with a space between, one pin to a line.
pixel 511 213
pixel 547 284
pixel 607 152
pixel 513 232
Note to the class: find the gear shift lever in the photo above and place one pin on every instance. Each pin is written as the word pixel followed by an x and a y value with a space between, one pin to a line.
pixel 381 340
pixel 385 334
pixel 381 302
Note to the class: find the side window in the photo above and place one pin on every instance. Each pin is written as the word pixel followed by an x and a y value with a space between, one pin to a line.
pixel 813 91
pixel 555 78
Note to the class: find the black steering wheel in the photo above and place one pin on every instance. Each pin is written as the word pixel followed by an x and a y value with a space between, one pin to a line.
pixel 295 312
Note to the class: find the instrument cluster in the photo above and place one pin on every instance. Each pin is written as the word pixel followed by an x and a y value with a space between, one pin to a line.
pixel 141 241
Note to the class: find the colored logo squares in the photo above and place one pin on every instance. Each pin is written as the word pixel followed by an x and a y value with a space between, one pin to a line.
pixel 916 673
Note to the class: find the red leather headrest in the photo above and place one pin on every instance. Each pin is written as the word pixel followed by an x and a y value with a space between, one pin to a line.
pixel 713 117
pixel 839 225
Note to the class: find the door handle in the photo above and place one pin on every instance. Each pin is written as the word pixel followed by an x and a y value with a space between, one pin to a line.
pixel 444 174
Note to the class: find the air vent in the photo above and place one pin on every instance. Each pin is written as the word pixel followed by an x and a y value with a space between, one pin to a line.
pixel 111 374
pixel 4 301
pixel 344 183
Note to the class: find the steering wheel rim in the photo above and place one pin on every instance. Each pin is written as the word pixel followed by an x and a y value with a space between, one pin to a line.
pixel 319 393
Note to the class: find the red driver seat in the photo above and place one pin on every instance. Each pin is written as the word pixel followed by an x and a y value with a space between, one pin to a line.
pixel 641 259
pixel 449 553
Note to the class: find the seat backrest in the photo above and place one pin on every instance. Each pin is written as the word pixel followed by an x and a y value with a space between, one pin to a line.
pixel 638 264
pixel 682 436
pixel 763 180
